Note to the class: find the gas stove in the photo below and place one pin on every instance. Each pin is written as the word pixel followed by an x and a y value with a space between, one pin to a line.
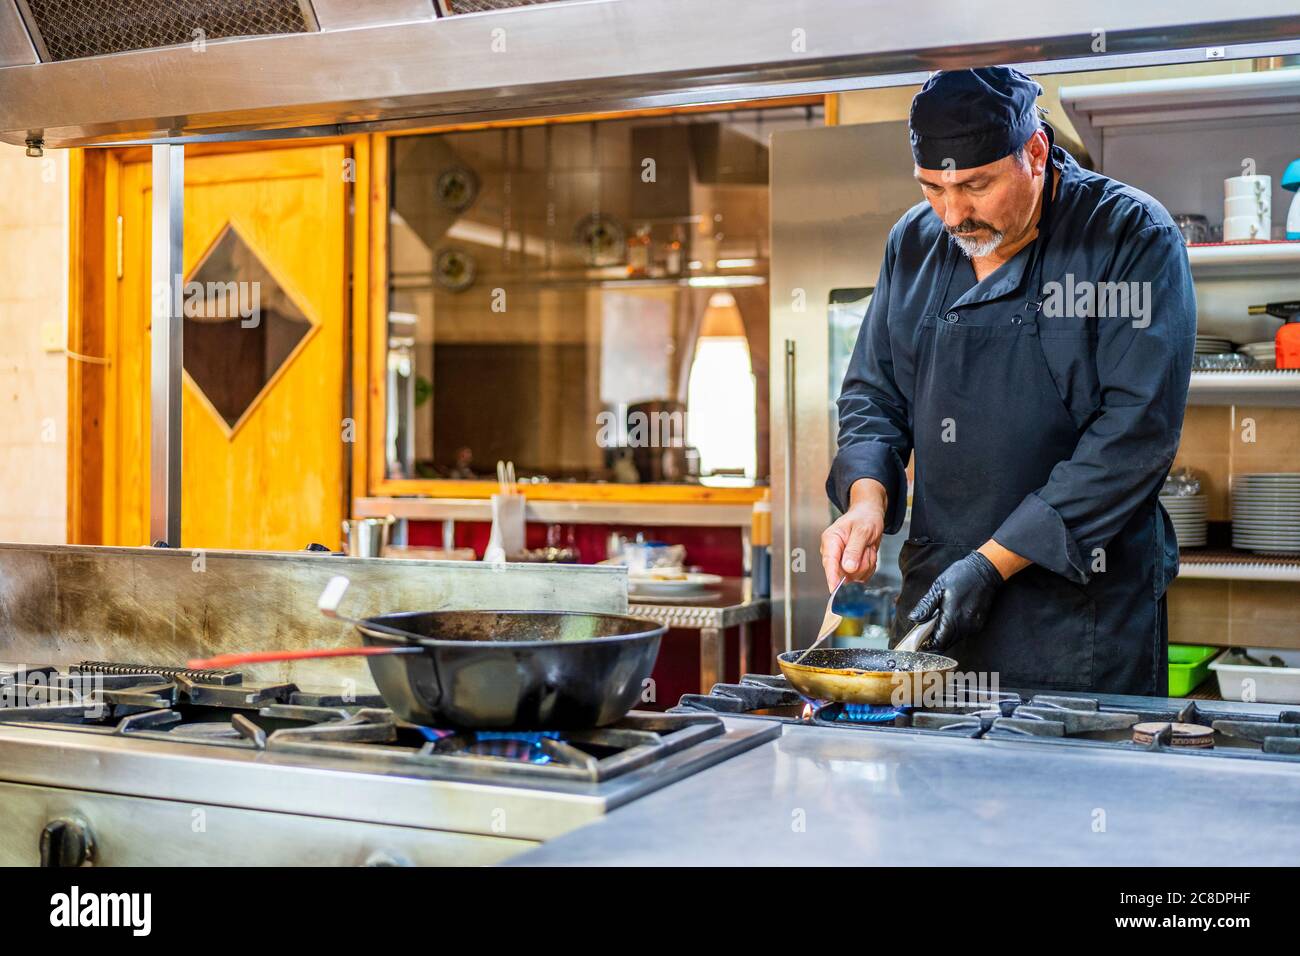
pixel 1210 728
pixel 116 762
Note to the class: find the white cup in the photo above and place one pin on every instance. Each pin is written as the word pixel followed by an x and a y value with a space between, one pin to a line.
pixel 1242 228
pixel 1248 186
pixel 1248 206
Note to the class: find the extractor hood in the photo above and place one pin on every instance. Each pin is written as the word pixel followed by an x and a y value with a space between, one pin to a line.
pixel 86 71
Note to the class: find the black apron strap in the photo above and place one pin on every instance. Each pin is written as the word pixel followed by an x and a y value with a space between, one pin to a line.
pixel 1034 290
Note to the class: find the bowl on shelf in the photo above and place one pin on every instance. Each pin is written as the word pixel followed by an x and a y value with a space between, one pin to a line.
pixel 1223 362
pixel 1264 353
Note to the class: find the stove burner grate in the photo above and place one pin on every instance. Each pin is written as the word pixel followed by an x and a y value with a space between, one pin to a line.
pixel 175 704
pixel 152 670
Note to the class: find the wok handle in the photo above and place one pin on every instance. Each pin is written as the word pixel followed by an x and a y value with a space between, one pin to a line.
pixel 264 657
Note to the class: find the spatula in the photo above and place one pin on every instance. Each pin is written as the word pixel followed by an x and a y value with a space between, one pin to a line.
pixel 830 622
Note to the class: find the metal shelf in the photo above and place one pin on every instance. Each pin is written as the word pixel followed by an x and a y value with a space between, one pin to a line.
pixel 650 514
pixel 1221 100
pixel 1276 388
pixel 1234 260
pixel 732 280
pixel 1243 568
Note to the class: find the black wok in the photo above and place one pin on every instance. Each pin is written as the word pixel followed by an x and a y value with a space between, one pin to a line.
pixel 536 670
pixel 551 670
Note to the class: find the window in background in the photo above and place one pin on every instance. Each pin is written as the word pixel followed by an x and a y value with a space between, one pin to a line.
pixel 541 283
pixel 721 394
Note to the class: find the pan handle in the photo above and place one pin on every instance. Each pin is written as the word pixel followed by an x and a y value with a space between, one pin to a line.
pixel 328 604
pixel 223 661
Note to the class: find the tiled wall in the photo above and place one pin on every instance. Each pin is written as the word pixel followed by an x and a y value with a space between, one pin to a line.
pixel 1219 443
pixel 33 382
pixel 1233 613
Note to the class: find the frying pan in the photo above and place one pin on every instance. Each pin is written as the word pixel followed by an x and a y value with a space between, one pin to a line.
pixel 519 670
pixel 498 670
pixel 860 675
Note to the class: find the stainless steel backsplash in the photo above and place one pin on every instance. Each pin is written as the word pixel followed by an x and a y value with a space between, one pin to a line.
pixel 62 604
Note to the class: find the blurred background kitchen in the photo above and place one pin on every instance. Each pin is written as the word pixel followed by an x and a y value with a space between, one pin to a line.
pixel 632 310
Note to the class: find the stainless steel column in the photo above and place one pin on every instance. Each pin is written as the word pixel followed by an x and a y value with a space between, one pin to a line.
pixel 713 657
pixel 166 344
pixel 787 498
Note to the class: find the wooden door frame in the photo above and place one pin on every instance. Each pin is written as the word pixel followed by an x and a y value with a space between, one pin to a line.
pixel 94 255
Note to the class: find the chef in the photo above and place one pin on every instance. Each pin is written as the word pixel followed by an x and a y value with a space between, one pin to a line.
pixel 1028 345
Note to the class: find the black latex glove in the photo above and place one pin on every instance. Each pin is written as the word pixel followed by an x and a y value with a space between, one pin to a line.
pixel 962 596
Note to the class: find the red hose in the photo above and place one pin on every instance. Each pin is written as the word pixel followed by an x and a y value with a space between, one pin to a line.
pixel 262 657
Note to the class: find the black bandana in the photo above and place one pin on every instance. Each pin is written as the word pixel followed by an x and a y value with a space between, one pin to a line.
pixel 967 118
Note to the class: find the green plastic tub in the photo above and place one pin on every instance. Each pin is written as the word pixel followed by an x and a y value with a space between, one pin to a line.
pixel 1189 665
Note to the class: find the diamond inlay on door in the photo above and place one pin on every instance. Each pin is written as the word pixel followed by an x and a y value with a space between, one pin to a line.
pixel 240 326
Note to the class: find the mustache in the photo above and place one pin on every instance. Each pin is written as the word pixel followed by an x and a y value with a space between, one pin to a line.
pixel 967 226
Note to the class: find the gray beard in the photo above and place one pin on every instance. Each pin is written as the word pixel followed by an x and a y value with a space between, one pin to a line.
pixel 974 249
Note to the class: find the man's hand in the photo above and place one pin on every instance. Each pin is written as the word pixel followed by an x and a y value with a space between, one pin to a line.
pixel 851 545
pixel 962 596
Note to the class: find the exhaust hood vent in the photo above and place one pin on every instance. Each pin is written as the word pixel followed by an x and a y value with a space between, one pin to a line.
pixel 73 29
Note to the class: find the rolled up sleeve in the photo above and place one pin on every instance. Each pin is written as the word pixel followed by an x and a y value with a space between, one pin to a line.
pixel 875 439
pixel 1143 370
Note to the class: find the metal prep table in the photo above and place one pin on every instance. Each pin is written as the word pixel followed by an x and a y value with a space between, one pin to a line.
pixel 731 604
pixel 818 797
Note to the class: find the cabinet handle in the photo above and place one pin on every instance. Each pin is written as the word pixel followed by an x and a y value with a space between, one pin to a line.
pixel 787 505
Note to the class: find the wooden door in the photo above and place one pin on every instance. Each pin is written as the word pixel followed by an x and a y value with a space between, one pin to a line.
pixel 263 443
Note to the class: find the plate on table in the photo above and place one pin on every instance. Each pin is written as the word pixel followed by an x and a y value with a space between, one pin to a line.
pixel 681 584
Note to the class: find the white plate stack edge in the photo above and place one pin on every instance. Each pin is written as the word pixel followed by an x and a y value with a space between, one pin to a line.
pixel 1189 514
pixel 1266 512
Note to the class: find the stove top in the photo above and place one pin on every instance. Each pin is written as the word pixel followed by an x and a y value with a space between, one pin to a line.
pixel 220 709
pixel 1147 724
pixel 118 753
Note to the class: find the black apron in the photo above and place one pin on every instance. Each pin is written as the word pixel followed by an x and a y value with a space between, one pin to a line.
pixel 988 425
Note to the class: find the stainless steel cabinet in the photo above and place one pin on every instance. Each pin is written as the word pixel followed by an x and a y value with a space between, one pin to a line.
pixel 138 831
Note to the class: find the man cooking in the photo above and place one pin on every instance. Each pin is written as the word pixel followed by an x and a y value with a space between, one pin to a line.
pixel 1029 341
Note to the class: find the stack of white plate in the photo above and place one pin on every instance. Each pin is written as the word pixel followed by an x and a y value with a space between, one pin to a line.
pixel 1188 513
pixel 1266 512
pixel 1212 345
pixel 1264 353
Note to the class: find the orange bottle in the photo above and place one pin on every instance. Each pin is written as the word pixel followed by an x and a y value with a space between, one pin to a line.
pixel 1288 343
pixel 1287 340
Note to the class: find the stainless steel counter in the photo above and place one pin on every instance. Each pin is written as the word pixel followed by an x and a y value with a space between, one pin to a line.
pixel 818 797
